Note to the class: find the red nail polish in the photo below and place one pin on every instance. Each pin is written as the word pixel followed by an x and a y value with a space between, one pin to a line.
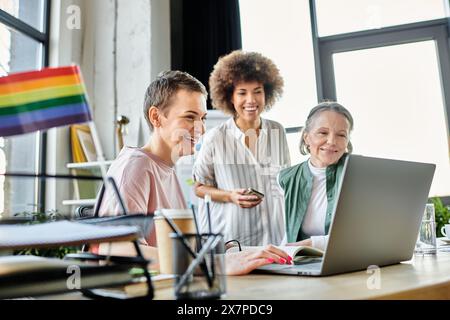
pixel 270 260
pixel 282 261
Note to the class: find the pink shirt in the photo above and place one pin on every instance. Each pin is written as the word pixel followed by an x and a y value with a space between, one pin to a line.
pixel 145 182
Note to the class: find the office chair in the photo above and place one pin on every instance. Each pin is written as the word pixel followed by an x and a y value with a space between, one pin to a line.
pixel 84 211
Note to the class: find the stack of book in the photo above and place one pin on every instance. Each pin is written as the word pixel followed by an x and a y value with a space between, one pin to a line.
pixel 22 276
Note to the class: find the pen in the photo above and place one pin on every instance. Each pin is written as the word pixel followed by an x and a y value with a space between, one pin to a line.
pixel 198 237
pixel 208 212
pixel 199 241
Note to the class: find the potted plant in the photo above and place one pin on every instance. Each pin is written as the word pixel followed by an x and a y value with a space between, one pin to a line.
pixel 41 217
pixel 442 215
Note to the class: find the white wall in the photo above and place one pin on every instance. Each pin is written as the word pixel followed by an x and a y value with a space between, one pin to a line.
pixel 120 45
pixel 64 50
pixel 160 53
pixel 270 30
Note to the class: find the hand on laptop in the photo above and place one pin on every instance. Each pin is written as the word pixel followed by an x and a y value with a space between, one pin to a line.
pixel 243 262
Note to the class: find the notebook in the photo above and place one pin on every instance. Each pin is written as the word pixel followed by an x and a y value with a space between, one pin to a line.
pixel 138 288
pixel 62 233
pixel 297 253
pixel 144 222
pixel 22 276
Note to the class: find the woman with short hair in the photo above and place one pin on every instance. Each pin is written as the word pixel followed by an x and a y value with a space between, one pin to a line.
pixel 175 110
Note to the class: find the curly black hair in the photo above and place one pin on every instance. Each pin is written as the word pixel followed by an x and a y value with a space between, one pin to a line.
pixel 243 66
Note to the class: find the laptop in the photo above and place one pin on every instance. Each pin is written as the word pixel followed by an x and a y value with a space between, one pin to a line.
pixel 376 218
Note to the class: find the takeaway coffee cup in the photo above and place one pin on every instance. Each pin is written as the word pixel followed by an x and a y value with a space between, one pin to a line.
pixel 184 220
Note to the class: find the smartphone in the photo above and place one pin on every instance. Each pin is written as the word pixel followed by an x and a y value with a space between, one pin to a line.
pixel 251 191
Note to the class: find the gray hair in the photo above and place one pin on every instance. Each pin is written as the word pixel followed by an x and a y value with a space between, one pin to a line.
pixel 324 106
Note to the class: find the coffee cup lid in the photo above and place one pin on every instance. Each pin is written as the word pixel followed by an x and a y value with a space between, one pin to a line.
pixel 174 213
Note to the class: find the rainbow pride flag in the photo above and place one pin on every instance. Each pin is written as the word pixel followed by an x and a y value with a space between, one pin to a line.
pixel 39 100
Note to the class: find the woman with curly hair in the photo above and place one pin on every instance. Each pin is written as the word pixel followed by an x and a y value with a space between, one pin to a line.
pixel 247 151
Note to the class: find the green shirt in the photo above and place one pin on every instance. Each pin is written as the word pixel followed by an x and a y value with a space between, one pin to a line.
pixel 297 183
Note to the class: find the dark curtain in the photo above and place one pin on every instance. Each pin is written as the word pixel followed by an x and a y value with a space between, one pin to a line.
pixel 203 31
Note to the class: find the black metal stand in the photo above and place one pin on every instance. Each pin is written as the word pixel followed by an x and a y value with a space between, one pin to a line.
pixel 214 283
pixel 138 260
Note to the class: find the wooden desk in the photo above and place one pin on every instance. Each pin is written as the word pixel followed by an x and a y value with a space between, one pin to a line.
pixel 420 278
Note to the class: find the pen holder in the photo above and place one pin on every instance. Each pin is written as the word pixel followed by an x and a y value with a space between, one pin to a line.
pixel 202 275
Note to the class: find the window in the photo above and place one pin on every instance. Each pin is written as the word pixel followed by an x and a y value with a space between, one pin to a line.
pixel 22 47
pixel 30 12
pixel 282 32
pixel 387 61
pixel 398 116
pixel 395 81
pixel 358 15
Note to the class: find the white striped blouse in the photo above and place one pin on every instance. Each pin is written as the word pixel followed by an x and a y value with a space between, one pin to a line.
pixel 225 162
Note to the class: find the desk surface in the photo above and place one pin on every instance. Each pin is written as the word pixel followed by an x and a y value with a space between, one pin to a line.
pixel 421 278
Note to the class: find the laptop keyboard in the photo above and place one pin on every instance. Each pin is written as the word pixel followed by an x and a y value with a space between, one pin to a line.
pixel 308 266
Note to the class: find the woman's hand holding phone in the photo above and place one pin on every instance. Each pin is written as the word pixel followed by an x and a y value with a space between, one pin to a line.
pixel 242 198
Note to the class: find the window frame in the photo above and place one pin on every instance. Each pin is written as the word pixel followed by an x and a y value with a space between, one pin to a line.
pixel 44 39
pixel 324 48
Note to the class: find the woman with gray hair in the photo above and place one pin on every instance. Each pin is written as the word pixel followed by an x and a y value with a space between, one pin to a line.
pixel 310 188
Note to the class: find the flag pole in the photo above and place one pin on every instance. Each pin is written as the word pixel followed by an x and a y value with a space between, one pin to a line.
pixel 98 148
pixel 95 137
